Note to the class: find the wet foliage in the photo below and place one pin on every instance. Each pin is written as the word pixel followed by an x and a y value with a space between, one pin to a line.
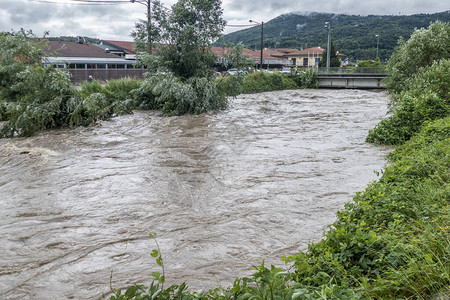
pixel 33 98
pixel 419 81
pixel 174 96
pixel 264 82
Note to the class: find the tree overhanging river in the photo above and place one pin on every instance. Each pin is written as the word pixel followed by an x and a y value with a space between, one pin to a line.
pixel 222 191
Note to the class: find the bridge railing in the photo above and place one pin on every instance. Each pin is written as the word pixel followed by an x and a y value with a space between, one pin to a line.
pixel 354 70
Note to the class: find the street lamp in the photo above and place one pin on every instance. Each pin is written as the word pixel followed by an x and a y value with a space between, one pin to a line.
pixel 328 25
pixel 378 42
pixel 262 42
pixel 147 3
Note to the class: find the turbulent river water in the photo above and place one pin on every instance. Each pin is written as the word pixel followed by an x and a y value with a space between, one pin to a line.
pixel 223 191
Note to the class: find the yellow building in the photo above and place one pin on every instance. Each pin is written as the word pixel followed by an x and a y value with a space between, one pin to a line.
pixel 305 58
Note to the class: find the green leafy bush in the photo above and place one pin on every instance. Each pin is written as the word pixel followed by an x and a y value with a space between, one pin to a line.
pixel 307 79
pixel 428 99
pixel 263 82
pixel 230 85
pixel 425 47
pixel 39 101
pixel 176 97
pixel 369 63
pixel 372 238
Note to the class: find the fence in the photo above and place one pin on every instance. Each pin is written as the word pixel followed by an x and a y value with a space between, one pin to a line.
pixel 354 70
pixel 79 75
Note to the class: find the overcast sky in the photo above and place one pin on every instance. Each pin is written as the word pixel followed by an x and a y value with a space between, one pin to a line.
pixel 115 22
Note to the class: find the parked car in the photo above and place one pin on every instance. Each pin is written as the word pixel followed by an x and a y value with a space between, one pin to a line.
pixel 286 71
pixel 235 71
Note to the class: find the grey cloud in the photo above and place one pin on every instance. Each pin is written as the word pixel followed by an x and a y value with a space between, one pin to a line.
pixel 118 21
pixel 21 14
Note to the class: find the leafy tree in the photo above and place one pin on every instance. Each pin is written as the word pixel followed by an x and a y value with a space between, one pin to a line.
pixel 423 48
pixel 235 56
pixel 335 61
pixel 370 63
pixel 182 37
pixel 18 50
pixel 34 98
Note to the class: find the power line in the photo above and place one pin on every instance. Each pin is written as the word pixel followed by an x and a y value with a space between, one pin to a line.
pixel 232 25
pixel 101 1
pixel 82 2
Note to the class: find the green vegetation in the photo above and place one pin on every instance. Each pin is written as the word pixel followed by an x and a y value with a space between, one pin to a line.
pixel 370 63
pixel 353 35
pixel 425 47
pixel 33 98
pixel 174 96
pixel 264 82
pixel 335 60
pixel 419 81
pixel 180 78
pixel 393 240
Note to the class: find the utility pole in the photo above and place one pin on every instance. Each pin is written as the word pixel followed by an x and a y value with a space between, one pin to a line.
pixel 262 45
pixel 262 42
pixel 148 3
pixel 378 42
pixel 328 25
pixel 149 26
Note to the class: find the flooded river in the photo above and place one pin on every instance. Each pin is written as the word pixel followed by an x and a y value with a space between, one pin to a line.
pixel 222 191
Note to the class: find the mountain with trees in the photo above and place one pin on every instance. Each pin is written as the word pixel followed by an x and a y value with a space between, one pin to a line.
pixel 353 35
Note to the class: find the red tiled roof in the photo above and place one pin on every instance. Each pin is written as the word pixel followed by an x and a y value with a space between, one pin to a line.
pixel 73 49
pixel 221 51
pixel 128 47
pixel 286 50
pixel 306 52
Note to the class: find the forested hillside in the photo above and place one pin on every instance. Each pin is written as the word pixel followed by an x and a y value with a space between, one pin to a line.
pixel 352 35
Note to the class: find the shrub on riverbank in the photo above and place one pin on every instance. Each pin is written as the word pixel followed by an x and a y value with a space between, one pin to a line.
pixel 419 81
pixel 264 82
pixel 376 238
pixel 174 96
pixel 33 98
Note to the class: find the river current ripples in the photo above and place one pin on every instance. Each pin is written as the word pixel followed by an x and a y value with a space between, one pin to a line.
pixel 223 191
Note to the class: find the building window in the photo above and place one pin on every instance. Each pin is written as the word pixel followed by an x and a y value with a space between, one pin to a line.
pixel 80 66
pixel 101 66
pixel 112 66
pixel 120 66
pixel 305 62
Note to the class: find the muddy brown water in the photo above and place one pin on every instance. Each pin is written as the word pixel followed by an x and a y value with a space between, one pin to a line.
pixel 223 191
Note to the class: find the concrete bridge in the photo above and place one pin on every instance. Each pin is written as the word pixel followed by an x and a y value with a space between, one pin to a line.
pixel 364 78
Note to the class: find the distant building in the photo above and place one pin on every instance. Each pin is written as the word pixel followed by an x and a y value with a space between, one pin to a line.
pixel 83 60
pixel 271 57
pixel 306 58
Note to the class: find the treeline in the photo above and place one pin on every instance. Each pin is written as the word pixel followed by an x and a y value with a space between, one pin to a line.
pixel 34 98
pixel 352 35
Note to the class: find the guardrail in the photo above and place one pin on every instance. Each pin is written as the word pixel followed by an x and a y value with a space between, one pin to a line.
pixel 354 70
